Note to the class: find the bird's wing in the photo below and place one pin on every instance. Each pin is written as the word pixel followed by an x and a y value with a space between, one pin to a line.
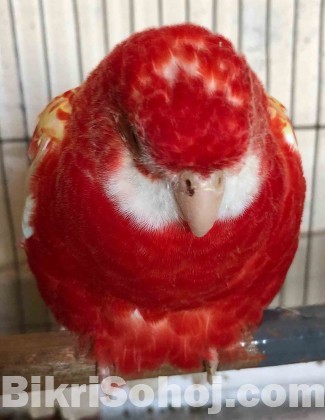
pixel 49 131
pixel 48 135
pixel 280 123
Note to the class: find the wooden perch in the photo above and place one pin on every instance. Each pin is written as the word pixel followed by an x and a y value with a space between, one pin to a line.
pixel 285 336
pixel 44 354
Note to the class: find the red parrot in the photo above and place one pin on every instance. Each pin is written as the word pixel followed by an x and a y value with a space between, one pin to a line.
pixel 164 202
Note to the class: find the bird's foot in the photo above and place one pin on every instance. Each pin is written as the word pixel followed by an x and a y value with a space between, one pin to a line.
pixel 211 365
pixel 103 372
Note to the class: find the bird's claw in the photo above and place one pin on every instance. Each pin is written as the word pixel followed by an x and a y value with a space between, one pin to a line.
pixel 102 372
pixel 211 366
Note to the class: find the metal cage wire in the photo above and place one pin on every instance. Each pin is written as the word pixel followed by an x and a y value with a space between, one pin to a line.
pixel 19 321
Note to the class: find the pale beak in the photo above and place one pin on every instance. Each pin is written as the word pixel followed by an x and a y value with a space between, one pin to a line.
pixel 199 199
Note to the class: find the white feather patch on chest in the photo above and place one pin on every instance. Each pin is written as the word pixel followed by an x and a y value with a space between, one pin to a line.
pixel 241 188
pixel 151 203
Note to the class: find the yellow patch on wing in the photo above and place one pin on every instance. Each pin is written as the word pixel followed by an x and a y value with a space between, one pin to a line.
pixel 51 125
pixel 280 122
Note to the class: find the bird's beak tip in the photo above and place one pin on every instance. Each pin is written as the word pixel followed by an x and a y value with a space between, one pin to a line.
pixel 199 200
pixel 201 228
pixel 200 234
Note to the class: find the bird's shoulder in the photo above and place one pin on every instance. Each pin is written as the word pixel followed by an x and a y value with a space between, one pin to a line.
pixel 280 123
pixel 49 131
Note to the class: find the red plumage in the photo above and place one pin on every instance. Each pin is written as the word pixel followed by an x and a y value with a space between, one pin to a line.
pixel 97 269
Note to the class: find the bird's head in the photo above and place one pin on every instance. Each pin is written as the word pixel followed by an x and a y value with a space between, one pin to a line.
pixel 190 115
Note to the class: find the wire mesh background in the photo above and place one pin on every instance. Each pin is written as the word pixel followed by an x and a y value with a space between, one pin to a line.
pixel 49 46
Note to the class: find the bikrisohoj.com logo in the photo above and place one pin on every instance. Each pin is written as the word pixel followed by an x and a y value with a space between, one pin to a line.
pixel 113 392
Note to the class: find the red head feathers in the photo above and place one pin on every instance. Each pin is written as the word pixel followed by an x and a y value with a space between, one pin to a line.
pixel 191 101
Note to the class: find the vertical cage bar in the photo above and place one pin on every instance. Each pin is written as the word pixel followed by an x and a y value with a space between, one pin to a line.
pixel 45 50
pixel 292 92
pixel 268 82
pixel 19 68
pixel 105 26
pixel 160 13
pixel 13 241
pixel 48 90
pixel 187 10
pixel 240 26
pixel 316 153
pixel 132 16
pixel 294 59
pixel 78 39
pixel 267 44
pixel 214 15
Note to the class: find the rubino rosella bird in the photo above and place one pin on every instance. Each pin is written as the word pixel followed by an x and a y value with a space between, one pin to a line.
pixel 165 199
